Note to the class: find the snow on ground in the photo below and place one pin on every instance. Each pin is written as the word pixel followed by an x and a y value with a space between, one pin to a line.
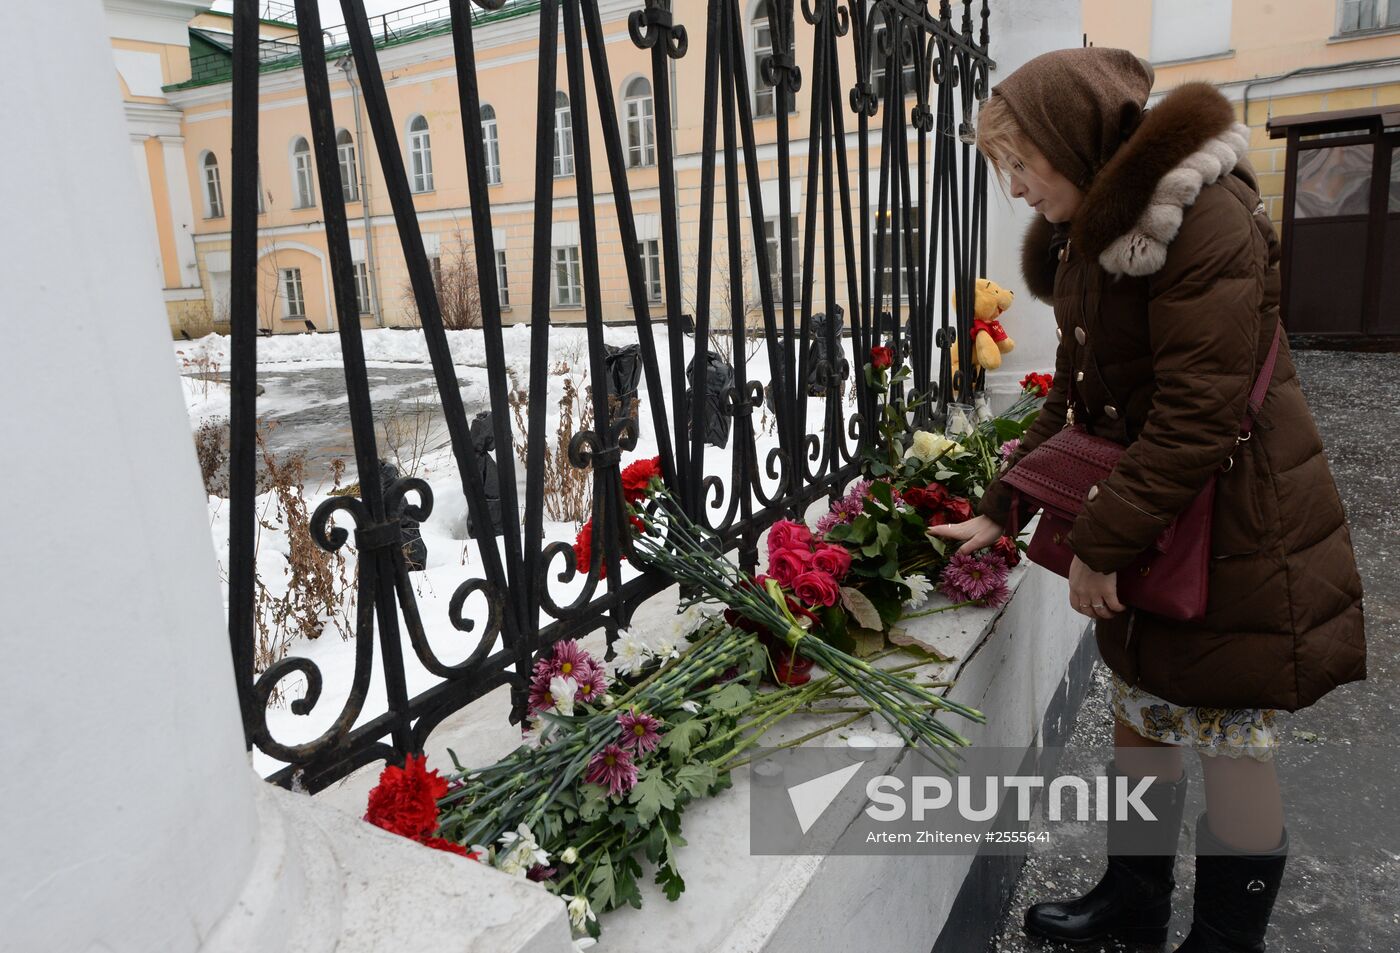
pixel 452 558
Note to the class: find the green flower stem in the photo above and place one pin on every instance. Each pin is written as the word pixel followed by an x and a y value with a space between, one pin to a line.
pixel 730 764
pixel 935 611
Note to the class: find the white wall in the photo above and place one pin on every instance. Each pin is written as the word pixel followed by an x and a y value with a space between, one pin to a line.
pixel 129 822
pixel 1020 31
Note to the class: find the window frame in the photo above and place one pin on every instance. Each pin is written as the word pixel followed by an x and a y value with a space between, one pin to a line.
pixel 303 174
pixel 648 251
pixel 363 305
pixel 348 161
pixel 771 239
pixel 639 115
pixel 1387 14
pixel 292 291
pixel 573 269
pixel 502 280
pixel 563 135
pixel 420 155
pixel 213 185
pixel 908 71
pixel 491 144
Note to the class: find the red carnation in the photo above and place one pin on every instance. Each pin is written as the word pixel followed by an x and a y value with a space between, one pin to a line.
pixel 583 551
pixel 881 357
pixel 1040 383
pixel 637 478
pixel 405 800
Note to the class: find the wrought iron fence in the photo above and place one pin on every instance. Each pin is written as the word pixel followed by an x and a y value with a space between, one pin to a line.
pixel 929 221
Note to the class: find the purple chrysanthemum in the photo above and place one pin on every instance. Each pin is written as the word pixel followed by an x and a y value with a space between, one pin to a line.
pixel 612 768
pixel 540 872
pixel 1008 448
pixel 566 658
pixel 846 509
pixel 639 731
pixel 970 578
pixel 592 685
pixel 540 697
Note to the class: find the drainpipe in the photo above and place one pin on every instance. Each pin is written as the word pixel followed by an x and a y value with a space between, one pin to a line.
pixel 347 66
pixel 1313 70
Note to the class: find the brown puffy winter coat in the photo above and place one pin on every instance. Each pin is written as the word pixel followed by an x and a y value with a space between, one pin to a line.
pixel 1166 296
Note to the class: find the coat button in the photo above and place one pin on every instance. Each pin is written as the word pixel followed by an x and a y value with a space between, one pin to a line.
pixel 1079 375
pixel 1111 411
pixel 1093 492
pixel 1079 335
pixel 1058 334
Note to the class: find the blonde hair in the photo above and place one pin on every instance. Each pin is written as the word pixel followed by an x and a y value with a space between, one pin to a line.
pixel 998 133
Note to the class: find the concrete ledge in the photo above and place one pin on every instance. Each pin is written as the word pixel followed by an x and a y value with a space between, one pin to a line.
pixel 325 880
pixel 1024 665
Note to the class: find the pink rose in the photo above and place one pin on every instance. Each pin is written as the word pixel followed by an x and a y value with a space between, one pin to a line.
pixel 786 565
pixel 817 589
pixel 835 561
pixel 786 534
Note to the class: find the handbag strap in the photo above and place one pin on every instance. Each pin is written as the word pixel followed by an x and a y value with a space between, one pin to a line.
pixel 1261 383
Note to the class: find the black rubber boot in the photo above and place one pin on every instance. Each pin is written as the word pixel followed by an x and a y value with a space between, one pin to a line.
pixel 1234 895
pixel 1133 900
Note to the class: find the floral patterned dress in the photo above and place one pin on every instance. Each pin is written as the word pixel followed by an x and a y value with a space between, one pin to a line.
pixel 1233 732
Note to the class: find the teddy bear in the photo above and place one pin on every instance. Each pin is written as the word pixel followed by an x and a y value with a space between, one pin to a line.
pixel 989 339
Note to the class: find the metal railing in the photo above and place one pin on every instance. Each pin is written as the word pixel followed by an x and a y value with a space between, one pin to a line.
pixel 931 222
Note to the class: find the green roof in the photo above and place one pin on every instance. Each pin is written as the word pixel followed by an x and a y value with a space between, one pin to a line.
pixel 213 63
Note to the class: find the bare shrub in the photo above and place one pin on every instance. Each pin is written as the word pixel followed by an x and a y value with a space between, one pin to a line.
pixel 406 433
pixel 568 490
pixel 458 290
pixel 211 449
pixel 318 582
pixel 203 367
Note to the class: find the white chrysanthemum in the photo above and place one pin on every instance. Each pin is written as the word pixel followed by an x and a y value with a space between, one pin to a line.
pixel 562 689
pixel 580 913
pixel 691 705
pixel 521 852
pixel 919 587
pixel 665 645
pixel 631 653
pixel 570 855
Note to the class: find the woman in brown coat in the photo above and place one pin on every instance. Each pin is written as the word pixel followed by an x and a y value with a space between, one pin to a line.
pixel 1159 259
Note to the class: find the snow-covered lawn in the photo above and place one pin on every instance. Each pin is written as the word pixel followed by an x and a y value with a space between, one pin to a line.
pixel 452 558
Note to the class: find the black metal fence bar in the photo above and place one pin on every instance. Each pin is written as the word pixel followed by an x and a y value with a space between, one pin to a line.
pixel 903 247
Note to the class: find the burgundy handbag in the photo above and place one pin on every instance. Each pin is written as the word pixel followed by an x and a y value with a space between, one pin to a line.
pixel 1169 577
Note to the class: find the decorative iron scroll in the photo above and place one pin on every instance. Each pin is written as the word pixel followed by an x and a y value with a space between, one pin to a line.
pixel 920 214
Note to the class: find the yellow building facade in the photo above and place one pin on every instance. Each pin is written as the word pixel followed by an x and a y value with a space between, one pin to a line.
pixel 294 277
pixel 1281 57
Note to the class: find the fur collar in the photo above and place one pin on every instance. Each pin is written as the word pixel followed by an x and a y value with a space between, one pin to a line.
pixel 1133 208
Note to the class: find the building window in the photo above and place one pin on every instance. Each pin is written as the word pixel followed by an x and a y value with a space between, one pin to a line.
pixel 772 239
pixel 349 173
pixel 1188 29
pixel 301 173
pixel 641 128
pixel 568 279
pixel 213 190
pixel 435 266
pixel 563 136
pixel 1360 15
pixel 502 278
pixel 362 289
pixel 878 63
pixel 293 301
pixel 420 154
pixel 491 145
pixel 649 251
pixel 913 220
pixel 764 96
pixel 261 205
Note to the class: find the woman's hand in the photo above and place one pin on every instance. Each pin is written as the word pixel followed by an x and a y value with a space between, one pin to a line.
pixel 980 532
pixel 1094 594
